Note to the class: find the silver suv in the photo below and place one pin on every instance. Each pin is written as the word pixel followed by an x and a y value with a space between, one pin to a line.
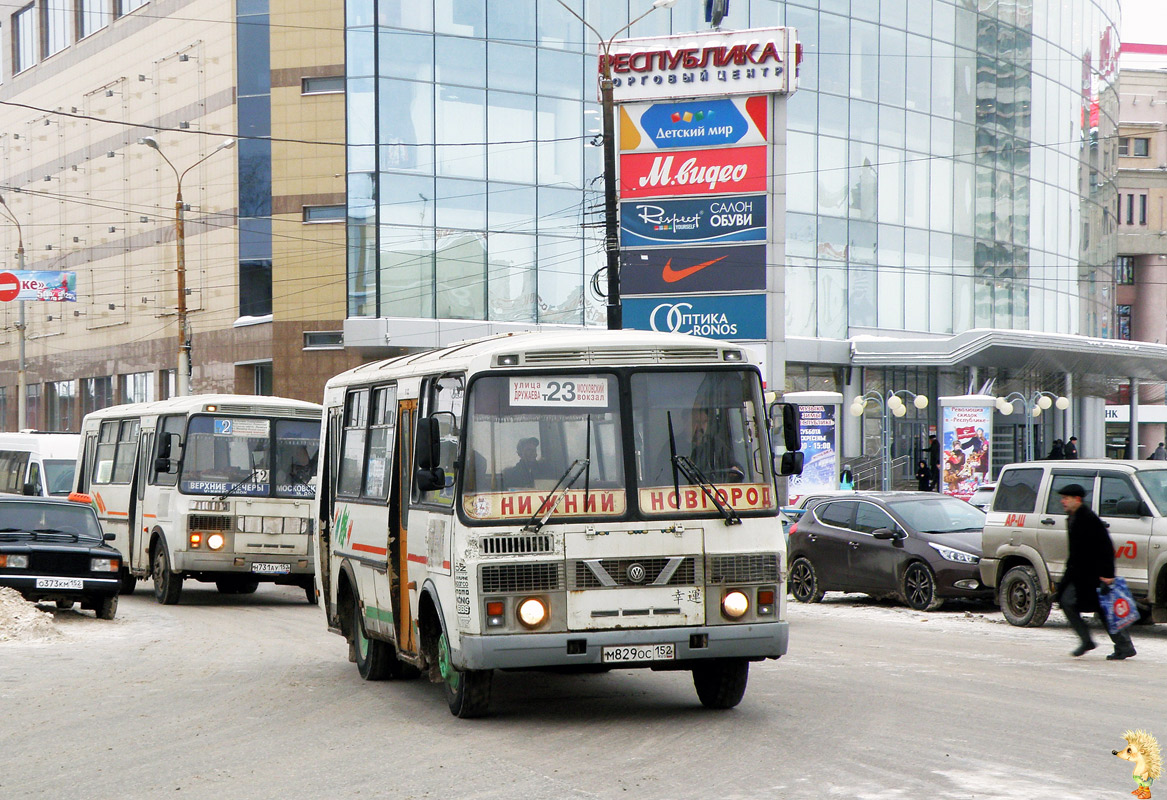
pixel 1025 546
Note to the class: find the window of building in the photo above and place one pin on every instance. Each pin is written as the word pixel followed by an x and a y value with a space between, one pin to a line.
pixel 1124 270
pixel 32 407
pixel 3 406
pixel 1130 209
pixel 1124 145
pixel 1141 147
pixel 96 394
pixel 126 6
pixel 254 287
pixel 24 38
pixel 323 340
pixel 324 213
pixel 264 380
pixel 330 84
pixel 55 14
pixel 137 388
pixel 92 16
pixel 1124 322
pixel 167 383
pixel 62 405
pixel 1142 209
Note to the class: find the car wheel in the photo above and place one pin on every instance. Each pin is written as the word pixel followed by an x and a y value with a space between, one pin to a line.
pixel 919 587
pixel 1022 601
pixel 374 656
pixel 804 581
pixel 721 683
pixel 467 691
pixel 167 585
pixel 107 607
pixel 65 604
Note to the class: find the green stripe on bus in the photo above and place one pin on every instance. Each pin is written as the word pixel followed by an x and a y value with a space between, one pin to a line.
pixel 379 614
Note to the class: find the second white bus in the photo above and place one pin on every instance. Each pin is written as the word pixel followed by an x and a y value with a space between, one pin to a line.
pixel 214 488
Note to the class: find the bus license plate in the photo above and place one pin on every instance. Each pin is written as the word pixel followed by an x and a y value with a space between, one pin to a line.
pixel 638 652
pixel 271 569
pixel 60 583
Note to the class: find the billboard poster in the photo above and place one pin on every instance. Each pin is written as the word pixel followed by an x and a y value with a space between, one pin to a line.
pixel 965 448
pixel 820 471
pixel 706 64
pixel 735 317
pixel 694 123
pixel 659 173
pixel 28 285
pixel 694 269
pixel 697 221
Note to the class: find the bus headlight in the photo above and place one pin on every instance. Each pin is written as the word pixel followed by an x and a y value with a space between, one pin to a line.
pixel 735 604
pixel 216 541
pixel 532 612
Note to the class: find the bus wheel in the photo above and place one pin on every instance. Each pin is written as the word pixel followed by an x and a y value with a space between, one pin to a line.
pixel 310 592
pixel 374 657
pixel 467 692
pixel 721 683
pixel 167 585
pixel 129 582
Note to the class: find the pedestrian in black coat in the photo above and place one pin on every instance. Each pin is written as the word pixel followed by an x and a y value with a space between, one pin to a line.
pixel 934 460
pixel 1072 447
pixel 1089 564
pixel 923 476
pixel 1058 451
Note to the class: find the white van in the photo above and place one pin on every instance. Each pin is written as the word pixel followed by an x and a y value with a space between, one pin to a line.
pixel 37 463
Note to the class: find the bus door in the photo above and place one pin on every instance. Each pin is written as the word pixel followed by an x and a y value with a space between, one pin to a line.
pixel 402 476
pixel 157 487
pixel 115 459
pixel 326 498
pixel 140 521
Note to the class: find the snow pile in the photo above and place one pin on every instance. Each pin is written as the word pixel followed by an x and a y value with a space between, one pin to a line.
pixel 21 620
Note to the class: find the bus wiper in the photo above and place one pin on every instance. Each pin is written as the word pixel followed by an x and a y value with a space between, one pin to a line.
pixel 231 491
pixel 540 517
pixel 695 476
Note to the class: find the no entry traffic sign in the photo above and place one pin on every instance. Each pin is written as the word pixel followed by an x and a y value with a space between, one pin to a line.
pixel 9 287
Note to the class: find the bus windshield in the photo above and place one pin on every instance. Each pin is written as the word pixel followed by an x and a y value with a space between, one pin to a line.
pixel 715 420
pixel 59 475
pixel 226 454
pixel 524 433
pixel 297 442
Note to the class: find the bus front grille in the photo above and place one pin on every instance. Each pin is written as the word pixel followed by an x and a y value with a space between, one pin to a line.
pixel 508 545
pixel 744 568
pixel 207 522
pixel 653 571
pixel 513 578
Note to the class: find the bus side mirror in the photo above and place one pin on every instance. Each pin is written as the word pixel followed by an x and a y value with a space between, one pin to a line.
pixel 791 463
pixel 30 489
pixel 425 450
pixel 428 480
pixel 167 445
pixel 790 425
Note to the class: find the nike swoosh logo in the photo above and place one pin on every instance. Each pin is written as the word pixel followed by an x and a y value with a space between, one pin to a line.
pixel 673 275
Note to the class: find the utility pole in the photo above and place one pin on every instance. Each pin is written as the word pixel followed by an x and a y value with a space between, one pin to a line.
pixel 608 106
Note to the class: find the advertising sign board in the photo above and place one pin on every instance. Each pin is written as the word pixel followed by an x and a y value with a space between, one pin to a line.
pixel 741 316
pixel 694 269
pixel 820 471
pixel 710 63
pixel 30 285
pixel 967 434
pixel 695 123
pixel 693 172
pixel 714 220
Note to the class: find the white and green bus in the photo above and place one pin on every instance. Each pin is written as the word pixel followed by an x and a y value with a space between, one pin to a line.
pixel 588 500
pixel 214 488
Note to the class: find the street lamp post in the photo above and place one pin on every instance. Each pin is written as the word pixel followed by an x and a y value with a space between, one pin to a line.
pixel 182 376
pixel 611 223
pixel 21 378
pixel 889 405
pixel 1034 404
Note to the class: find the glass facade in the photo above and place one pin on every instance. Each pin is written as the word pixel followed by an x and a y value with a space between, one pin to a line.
pixel 952 163
pixel 952 166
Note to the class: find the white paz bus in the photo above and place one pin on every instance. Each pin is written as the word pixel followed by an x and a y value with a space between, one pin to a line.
pixel 585 500
pixel 215 488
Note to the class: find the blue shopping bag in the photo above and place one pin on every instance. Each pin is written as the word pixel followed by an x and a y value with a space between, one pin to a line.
pixel 1118 605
